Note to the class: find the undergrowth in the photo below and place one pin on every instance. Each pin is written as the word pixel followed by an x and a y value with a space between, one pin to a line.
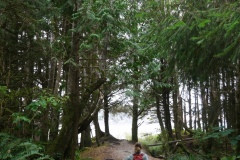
pixel 160 150
pixel 152 139
pixel 19 149
pixel 185 157
pixel 223 146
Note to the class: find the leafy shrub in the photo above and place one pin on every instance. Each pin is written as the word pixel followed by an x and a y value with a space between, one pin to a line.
pixel 185 157
pixel 18 149
pixel 224 142
pixel 152 139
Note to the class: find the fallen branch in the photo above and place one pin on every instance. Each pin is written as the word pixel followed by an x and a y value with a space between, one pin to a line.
pixel 170 142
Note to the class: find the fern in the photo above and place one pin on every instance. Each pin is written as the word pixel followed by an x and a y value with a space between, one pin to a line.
pixel 19 149
pixel 185 157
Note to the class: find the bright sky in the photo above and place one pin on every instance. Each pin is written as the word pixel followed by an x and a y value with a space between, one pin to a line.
pixel 120 126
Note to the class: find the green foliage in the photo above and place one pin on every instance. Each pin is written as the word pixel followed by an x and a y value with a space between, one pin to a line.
pixel 18 149
pixel 3 93
pixel 217 133
pixel 220 137
pixel 230 158
pixel 78 156
pixel 234 141
pixel 197 38
pixel 198 134
pixel 3 90
pixel 203 23
pixel 185 157
pixel 20 117
pixel 37 107
pixel 23 121
pixel 152 139
pixel 177 25
pixel 152 39
pixel 43 101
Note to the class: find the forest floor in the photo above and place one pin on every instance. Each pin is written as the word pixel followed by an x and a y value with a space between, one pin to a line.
pixel 112 149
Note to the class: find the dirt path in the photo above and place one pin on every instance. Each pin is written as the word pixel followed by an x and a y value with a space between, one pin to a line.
pixel 111 150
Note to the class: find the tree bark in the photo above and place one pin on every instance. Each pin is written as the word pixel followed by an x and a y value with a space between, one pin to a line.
pixel 86 138
pixel 135 101
pixel 214 101
pixel 176 110
pixel 65 141
pixel 198 111
pixel 106 110
pixel 135 120
pixel 54 113
pixel 98 131
pixel 204 97
pixel 190 105
pixel 167 114
pixel 237 99
pixel 159 116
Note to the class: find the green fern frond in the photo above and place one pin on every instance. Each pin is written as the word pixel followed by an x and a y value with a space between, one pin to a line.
pixel 18 149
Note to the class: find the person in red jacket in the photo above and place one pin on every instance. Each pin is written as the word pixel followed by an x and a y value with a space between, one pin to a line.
pixel 138 154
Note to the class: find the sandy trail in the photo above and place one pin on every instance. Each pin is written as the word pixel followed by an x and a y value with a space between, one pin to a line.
pixel 111 150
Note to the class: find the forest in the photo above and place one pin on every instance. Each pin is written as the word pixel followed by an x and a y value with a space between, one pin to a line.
pixel 62 61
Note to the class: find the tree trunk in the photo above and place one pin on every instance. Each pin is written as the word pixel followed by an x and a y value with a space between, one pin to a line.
pixel 86 140
pixel 227 96
pixel 98 103
pixel 198 111
pixel 159 114
pixel 167 114
pixel 85 120
pixel 237 97
pixel 65 141
pixel 215 102
pixel 184 114
pixel 106 111
pixel 54 113
pixel 98 131
pixel 204 98
pixel 177 113
pixel 195 109
pixel 233 102
pixel 135 119
pixel 190 105
pixel 135 102
pixel 47 85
